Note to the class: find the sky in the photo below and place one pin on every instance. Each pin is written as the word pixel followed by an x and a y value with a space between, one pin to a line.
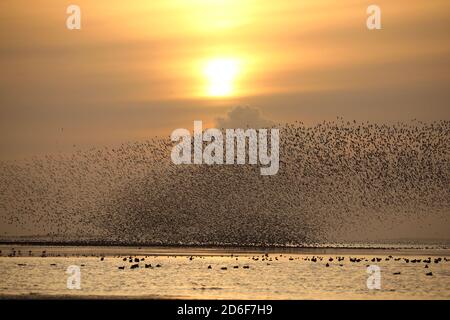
pixel 139 69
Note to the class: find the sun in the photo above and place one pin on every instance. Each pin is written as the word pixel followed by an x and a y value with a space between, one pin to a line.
pixel 221 74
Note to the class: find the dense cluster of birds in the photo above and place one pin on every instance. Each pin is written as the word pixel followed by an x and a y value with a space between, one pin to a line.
pixel 336 179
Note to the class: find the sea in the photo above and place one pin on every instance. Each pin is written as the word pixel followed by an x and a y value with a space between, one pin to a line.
pixel 113 272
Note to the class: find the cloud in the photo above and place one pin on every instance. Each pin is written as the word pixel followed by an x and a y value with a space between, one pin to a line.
pixel 243 117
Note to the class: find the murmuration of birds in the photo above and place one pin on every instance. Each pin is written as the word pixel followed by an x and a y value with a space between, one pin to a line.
pixel 336 180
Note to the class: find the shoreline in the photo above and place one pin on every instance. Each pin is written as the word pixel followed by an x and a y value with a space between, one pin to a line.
pixel 157 273
pixel 94 243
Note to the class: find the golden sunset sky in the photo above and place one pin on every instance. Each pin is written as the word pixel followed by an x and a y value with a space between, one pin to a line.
pixel 137 69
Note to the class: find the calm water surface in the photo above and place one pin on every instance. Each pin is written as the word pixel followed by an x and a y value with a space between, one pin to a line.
pixel 185 273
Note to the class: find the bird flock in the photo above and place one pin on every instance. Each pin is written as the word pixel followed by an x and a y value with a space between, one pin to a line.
pixel 247 261
pixel 337 179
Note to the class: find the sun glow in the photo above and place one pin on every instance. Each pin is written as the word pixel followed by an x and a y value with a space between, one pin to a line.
pixel 221 75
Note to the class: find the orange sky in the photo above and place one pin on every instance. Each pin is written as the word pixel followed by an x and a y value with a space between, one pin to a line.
pixel 139 68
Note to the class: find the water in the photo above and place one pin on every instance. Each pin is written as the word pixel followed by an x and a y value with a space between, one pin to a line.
pixel 184 273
